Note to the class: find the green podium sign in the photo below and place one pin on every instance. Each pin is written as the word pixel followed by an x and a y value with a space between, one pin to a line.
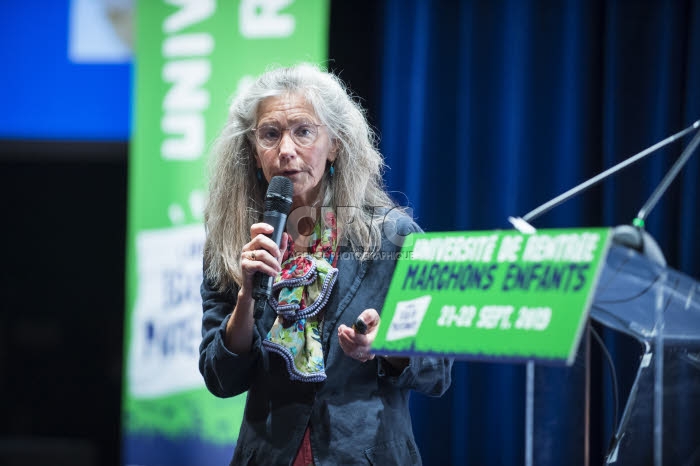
pixel 493 295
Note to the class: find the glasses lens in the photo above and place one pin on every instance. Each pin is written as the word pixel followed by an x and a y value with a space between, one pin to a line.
pixel 304 134
pixel 268 136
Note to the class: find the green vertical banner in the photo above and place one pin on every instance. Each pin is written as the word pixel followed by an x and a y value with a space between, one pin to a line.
pixel 191 57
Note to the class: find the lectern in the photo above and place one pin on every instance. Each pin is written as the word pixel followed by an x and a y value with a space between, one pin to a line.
pixel 660 308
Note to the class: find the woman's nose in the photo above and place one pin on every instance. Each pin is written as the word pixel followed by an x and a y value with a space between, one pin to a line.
pixel 287 146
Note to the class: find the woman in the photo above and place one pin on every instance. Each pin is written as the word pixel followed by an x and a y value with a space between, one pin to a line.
pixel 316 393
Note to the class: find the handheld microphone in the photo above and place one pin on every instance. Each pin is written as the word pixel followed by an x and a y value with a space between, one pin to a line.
pixel 278 202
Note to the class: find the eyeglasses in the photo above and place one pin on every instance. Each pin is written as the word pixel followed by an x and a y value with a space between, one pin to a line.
pixel 303 134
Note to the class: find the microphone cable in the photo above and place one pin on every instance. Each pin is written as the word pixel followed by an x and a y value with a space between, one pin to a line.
pixel 613 377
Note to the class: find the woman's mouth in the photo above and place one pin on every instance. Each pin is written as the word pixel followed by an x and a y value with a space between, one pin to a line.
pixel 289 172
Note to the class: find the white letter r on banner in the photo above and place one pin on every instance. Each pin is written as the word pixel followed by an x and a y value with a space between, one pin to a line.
pixel 261 18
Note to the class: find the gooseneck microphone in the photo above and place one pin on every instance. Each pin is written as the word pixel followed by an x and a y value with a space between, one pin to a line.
pixel 668 178
pixel 522 223
pixel 634 236
pixel 278 202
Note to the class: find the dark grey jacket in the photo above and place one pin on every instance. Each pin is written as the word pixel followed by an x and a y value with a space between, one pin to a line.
pixel 358 415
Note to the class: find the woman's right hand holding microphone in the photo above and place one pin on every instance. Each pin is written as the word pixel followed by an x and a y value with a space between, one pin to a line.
pixel 260 254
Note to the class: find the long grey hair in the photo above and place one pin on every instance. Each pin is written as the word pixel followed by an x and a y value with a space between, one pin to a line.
pixel 236 195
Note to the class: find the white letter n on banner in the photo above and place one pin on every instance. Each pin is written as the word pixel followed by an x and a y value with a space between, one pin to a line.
pixel 191 12
pixel 183 105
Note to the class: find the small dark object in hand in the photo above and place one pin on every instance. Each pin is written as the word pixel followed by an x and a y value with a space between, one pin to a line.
pixel 360 326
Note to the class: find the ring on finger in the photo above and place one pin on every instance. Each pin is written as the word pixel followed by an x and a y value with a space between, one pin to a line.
pixel 252 255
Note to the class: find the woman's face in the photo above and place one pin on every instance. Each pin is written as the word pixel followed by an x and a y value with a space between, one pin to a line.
pixel 304 166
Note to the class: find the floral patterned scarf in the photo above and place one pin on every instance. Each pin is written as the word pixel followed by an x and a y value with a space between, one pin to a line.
pixel 299 296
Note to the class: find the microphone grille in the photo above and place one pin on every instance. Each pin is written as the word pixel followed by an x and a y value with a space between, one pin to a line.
pixel 279 195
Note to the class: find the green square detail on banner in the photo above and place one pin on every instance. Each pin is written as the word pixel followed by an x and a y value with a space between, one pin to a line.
pixel 493 295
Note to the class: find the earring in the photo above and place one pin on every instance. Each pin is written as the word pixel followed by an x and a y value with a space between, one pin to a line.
pixel 332 169
pixel 259 174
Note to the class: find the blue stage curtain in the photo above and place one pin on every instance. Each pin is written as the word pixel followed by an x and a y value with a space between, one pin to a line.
pixel 489 109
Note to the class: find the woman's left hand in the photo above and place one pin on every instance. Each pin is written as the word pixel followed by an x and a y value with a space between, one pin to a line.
pixel 355 344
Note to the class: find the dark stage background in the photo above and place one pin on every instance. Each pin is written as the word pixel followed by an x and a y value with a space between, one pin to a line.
pixel 485 109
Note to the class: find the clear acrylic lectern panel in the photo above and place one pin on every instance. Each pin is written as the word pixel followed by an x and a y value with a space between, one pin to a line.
pixel 641 306
pixel 660 308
